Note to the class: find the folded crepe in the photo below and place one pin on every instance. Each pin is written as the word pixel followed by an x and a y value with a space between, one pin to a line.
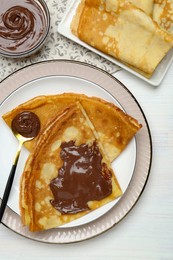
pixel 113 127
pixel 145 5
pixel 67 174
pixel 163 14
pixel 124 31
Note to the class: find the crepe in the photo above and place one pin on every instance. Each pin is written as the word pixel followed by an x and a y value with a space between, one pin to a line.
pixel 163 14
pixel 145 5
pixel 113 128
pixel 45 164
pixel 120 29
pixel 86 133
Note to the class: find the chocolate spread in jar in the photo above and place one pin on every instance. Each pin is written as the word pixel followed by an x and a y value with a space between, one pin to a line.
pixel 82 178
pixel 26 124
pixel 22 25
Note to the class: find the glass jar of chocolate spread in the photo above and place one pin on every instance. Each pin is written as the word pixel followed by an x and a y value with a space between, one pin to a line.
pixel 24 25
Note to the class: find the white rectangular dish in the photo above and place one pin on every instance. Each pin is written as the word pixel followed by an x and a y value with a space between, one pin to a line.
pixel 64 29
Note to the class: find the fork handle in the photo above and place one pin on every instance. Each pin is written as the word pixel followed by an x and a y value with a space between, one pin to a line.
pixel 7 191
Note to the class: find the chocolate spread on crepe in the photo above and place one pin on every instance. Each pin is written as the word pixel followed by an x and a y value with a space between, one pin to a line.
pixel 67 135
pixel 93 130
pixel 82 178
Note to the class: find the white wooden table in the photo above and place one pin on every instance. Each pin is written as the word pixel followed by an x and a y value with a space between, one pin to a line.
pixel 147 232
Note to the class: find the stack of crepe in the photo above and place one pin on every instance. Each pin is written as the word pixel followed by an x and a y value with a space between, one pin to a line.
pixel 68 118
pixel 126 30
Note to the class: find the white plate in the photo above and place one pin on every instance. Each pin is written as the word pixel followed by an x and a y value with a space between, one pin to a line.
pixel 64 29
pixel 123 166
pixel 131 167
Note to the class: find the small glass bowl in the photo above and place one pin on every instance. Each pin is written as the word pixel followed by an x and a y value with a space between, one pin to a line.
pixel 39 44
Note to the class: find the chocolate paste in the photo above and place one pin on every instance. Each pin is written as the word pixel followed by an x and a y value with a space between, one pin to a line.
pixel 22 24
pixel 82 178
pixel 26 124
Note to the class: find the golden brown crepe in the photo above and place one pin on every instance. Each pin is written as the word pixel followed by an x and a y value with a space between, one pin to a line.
pixel 120 29
pixel 45 163
pixel 145 5
pixel 72 121
pixel 113 127
pixel 163 14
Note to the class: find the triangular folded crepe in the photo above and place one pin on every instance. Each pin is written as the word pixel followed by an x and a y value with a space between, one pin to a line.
pixel 145 5
pixel 163 14
pixel 120 29
pixel 63 162
pixel 114 127
pixel 86 133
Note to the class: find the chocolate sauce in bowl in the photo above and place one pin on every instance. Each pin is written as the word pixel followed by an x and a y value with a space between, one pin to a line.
pixel 83 177
pixel 26 124
pixel 22 25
